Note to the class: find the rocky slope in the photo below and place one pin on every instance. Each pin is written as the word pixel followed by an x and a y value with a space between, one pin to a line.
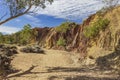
pixel 101 42
pixel 75 38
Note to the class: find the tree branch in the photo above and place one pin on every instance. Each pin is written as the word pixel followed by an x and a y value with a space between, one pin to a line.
pixel 12 17
pixel 3 16
pixel 19 6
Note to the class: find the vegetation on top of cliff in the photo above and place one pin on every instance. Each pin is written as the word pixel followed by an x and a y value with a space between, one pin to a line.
pixel 93 29
pixel 61 42
pixel 65 26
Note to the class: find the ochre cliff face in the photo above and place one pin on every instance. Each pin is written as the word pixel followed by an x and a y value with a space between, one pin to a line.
pixel 75 39
pixel 48 37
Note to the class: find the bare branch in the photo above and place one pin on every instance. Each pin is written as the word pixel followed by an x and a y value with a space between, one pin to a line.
pixel 17 8
pixel 12 17
pixel 3 16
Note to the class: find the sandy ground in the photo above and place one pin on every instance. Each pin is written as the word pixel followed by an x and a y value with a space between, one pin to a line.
pixel 55 65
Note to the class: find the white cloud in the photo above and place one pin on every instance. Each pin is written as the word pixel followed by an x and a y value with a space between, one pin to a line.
pixel 18 20
pixel 71 9
pixel 9 29
pixel 34 20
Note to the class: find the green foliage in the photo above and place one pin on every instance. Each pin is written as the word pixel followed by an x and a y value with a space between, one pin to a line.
pixel 61 42
pixel 16 37
pixel 65 26
pixel 19 6
pixel 9 39
pixel 1 38
pixel 22 37
pixel 92 30
pixel 25 34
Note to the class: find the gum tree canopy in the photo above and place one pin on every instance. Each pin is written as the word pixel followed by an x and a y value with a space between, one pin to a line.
pixel 16 8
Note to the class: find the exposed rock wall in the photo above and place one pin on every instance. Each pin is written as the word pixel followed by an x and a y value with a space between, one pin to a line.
pixel 75 39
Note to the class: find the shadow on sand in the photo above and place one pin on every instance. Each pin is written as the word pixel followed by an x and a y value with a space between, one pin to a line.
pixel 108 61
pixel 66 70
pixel 103 64
pixel 29 71
pixel 81 78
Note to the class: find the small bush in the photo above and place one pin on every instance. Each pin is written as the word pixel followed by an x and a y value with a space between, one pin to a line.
pixel 32 49
pixel 65 26
pixel 61 42
pixel 93 29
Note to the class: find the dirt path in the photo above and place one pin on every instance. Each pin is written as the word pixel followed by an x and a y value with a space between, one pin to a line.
pixel 54 65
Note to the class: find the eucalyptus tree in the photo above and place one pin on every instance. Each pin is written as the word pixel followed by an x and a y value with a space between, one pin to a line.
pixel 16 8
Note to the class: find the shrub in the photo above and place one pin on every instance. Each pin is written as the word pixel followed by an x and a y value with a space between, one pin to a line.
pixel 61 42
pixel 65 26
pixel 92 30
pixel 25 34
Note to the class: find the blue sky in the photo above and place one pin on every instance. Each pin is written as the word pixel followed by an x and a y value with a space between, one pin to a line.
pixel 53 15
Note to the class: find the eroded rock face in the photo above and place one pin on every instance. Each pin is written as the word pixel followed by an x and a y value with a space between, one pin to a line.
pixel 48 37
pixel 75 38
